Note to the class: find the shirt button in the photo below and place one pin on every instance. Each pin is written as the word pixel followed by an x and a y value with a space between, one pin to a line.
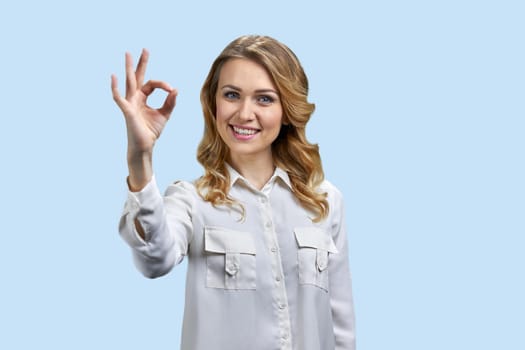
pixel 285 336
pixel 278 278
pixel 262 200
pixel 274 249
pixel 268 224
pixel 282 306
pixel 133 206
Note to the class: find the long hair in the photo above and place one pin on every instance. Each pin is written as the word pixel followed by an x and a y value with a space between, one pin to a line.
pixel 291 151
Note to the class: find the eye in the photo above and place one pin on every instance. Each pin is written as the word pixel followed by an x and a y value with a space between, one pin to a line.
pixel 231 95
pixel 265 99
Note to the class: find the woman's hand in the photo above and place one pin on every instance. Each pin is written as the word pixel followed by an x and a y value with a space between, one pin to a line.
pixel 144 124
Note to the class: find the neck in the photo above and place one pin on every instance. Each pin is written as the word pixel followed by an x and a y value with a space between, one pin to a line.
pixel 257 170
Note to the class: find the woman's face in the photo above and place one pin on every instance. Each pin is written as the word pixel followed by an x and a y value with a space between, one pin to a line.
pixel 249 112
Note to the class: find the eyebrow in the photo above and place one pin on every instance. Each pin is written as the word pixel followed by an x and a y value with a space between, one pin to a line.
pixel 233 87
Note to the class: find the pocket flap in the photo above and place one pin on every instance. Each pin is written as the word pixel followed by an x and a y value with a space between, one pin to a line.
pixel 222 240
pixel 313 237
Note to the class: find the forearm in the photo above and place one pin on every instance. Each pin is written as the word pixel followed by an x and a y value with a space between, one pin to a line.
pixel 140 169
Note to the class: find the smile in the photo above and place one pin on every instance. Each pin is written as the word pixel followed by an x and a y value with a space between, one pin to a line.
pixel 243 131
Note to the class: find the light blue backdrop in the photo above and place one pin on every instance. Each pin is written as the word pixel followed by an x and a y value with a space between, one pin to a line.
pixel 420 119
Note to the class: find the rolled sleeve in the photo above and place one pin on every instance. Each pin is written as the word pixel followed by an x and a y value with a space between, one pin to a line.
pixel 146 206
pixel 163 245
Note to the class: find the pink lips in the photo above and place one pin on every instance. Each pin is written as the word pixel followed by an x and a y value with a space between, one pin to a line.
pixel 243 133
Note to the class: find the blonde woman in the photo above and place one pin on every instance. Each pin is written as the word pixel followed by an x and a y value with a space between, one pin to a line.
pixel 263 231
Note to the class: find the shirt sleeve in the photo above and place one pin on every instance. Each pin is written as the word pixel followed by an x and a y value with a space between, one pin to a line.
pixel 341 299
pixel 167 226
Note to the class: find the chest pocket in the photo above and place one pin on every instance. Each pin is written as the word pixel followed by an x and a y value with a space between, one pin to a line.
pixel 314 247
pixel 230 258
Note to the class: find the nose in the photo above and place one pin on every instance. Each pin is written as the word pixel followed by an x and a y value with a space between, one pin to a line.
pixel 246 110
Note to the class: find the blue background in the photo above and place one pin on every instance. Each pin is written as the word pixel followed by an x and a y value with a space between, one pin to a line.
pixel 420 120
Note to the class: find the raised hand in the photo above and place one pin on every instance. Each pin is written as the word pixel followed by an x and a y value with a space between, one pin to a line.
pixel 144 124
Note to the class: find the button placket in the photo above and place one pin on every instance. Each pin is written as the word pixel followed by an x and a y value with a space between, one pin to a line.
pixel 279 291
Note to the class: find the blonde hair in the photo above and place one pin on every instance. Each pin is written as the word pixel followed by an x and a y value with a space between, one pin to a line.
pixel 291 151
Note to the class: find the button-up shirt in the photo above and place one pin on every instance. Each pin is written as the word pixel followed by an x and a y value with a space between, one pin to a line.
pixel 268 279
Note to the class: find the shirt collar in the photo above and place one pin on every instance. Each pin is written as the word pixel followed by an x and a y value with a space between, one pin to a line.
pixel 277 174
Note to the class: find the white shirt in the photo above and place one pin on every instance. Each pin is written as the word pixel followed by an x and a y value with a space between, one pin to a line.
pixel 273 280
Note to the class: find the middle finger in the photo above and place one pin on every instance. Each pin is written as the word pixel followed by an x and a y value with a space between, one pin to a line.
pixel 141 67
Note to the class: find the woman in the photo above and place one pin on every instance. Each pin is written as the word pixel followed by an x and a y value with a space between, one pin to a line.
pixel 263 231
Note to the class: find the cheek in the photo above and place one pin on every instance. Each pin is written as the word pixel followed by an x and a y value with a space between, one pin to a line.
pixel 224 110
pixel 220 113
pixel 274 119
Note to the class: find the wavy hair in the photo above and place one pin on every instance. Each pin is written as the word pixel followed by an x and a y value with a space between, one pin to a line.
pixel 291 151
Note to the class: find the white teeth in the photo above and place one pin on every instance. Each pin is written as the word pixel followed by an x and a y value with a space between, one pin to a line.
pixel 244 131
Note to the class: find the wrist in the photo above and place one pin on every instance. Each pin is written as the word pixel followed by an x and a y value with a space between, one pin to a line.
pixel 139 157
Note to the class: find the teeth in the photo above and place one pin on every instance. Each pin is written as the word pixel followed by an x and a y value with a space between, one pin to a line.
pixel 244 131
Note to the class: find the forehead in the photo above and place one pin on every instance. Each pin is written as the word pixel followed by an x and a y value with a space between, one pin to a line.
pixel 245 73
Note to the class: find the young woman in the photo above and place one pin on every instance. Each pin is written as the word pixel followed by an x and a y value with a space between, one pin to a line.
pixel 263 232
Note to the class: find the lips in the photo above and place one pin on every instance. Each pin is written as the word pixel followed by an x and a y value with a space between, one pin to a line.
pixel 245 132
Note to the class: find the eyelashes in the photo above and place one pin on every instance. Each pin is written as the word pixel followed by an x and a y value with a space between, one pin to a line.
pixel 231 95
pixel 264 99
pixel 261 99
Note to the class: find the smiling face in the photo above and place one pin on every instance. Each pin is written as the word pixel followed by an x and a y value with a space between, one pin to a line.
pixel 248 111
